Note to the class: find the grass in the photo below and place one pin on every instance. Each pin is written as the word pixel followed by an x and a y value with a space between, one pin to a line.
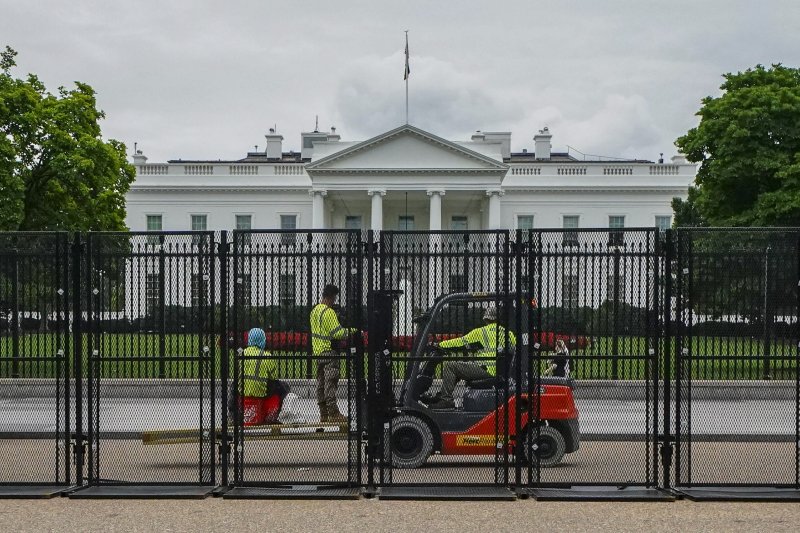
pixel 183 356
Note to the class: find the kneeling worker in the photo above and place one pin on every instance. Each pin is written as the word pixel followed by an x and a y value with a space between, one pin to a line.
pixel 492 338
pixel 259 389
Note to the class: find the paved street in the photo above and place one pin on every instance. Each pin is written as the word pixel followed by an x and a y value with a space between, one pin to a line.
pixel 377 516
pixel 597 417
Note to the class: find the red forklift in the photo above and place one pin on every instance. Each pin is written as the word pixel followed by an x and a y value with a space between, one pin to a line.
pixel 518 411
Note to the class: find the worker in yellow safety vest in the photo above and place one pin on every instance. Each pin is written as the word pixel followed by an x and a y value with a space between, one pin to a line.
pixel 258 382
pixel 491 338
pixel 325 328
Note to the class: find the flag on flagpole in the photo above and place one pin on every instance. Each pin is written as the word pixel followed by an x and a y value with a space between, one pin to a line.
pixel 408 68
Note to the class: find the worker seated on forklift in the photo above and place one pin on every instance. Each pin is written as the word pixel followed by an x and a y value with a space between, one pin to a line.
pixel 491 338
pixel 260 393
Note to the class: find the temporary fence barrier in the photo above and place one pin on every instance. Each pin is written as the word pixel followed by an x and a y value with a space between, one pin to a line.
pixel 121 351
pixel 734 320
pixel 35 376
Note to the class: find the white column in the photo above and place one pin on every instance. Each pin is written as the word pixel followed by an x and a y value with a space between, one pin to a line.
pixel 435 223
pixel 376 220
pixel 318 208
pixel 494 207
pixel 435 266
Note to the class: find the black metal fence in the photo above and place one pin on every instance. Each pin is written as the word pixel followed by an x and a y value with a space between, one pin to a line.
pixel 735 324
pixel 119 353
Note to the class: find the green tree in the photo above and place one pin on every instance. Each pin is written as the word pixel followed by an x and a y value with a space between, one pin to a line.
pixel 748 147
pixel 56 171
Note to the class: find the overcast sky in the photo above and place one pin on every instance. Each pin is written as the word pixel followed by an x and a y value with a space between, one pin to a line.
pixel 206 79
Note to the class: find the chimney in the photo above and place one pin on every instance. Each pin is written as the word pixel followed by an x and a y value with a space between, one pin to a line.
pixel 478 137
pixel 274 144
pixel 679 159
pixel 333 136
pixel 139 158
pixel 502 137
pixel 307 140
pixel 542 140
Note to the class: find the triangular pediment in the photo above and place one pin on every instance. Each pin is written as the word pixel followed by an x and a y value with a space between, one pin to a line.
pixel 406 149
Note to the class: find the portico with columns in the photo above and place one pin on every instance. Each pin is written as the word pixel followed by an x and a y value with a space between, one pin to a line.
pixel 427 183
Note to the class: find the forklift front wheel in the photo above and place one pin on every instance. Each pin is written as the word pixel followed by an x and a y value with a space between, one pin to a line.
pixel 411 442
pixel 544 446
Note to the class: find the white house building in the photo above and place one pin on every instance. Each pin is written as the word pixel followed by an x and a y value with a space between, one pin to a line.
pixel 403 179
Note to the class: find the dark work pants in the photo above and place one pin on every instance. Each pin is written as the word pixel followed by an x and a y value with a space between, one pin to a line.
pixel 327 379
pixel 454 371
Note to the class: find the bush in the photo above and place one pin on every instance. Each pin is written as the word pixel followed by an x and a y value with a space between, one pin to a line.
pixel 630 320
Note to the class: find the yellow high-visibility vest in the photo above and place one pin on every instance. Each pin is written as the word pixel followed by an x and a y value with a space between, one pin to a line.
pixel 257 372
pixel 491 337
pixel 325 328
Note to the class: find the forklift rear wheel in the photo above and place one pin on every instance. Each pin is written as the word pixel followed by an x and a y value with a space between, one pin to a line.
pixel 411 442
pixel 544 446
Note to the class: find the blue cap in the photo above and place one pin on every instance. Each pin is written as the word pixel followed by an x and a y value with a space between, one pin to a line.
pixel 256 337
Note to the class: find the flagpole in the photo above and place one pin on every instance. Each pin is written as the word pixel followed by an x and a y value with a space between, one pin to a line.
pixel 406 76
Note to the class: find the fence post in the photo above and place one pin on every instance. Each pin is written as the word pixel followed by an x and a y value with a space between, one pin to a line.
pixel 162 348
pixel 767 335
pixel 224 363
pixel 614 319
pixel 78 437
pixel 309 301
pixel 797 368
pixel 15 313
pixel 667 436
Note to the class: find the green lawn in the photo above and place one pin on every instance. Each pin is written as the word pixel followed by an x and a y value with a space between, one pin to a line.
pixel 140 356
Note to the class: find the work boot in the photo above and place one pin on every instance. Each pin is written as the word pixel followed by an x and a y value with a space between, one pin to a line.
pixel 429 398
pixel 443 403
pixel 335 417
pixel 323 412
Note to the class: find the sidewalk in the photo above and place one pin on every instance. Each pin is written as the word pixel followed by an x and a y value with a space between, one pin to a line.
pixel 214 514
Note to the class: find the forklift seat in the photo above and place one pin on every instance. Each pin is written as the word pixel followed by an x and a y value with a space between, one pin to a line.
pixel 486 383
pixel 506 360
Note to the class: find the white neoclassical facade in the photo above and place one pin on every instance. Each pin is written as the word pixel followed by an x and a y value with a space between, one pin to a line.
pixel 405 178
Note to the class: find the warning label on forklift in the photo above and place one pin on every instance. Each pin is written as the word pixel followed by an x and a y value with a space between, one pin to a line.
pixel 476 440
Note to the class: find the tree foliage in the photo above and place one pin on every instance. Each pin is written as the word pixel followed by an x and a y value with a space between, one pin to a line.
pixel 748 147
pixel 56 171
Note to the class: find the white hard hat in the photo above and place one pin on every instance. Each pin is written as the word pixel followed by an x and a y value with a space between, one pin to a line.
pixel 490 313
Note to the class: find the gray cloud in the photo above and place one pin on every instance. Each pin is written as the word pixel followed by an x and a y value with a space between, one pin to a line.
pixel 202 79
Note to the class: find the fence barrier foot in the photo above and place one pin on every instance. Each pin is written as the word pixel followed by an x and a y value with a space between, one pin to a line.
pixel 459 493
pixel 295 492
pixel 150 492
pixel 741 494
pixel 599 493
pixel 41 492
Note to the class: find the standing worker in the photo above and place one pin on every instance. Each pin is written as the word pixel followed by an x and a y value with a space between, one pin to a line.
pixel 259 390
pixel 325 328
pixel 492 338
